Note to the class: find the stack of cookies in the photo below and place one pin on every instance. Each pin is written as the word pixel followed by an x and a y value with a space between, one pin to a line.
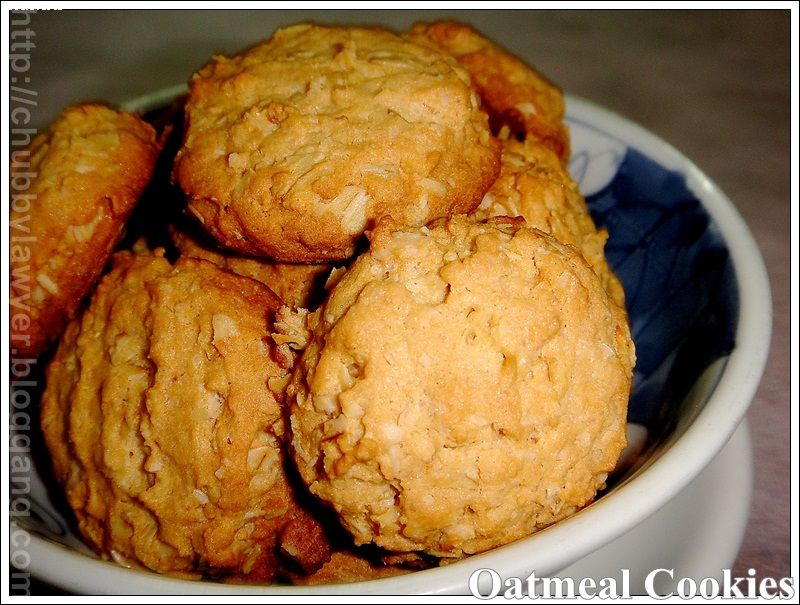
pixel 389 339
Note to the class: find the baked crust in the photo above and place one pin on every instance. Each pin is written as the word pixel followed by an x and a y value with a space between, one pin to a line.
pixel 462 387
pixel 85 175
pixel 295 147
pixel 535 185
pixel 515 94
pixel 297 284
pixel 163 418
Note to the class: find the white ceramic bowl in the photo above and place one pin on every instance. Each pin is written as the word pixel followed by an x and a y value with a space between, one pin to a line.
pixel 616 162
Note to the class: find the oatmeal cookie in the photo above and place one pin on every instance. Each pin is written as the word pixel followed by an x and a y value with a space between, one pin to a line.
pixel 345 567
pixel 516 95
pixel 295 147
pixel 297 285
pixel 535 185
pixel 464 385
pixel 163 420
pixel 72 190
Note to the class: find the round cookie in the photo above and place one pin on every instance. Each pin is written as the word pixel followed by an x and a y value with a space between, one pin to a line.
pixel 535 185
pixel 297 285
pixel 463 386
pixel 72 189
pixel 297 146
pixel 162 417
pixel 515 94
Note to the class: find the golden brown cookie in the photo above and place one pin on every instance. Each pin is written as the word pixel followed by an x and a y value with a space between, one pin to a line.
pixel 295 147
pixel 535 185
pixel 464 385
pixel 516 95
pixel 163 420
pixel 297 285
pixel 72 190
pixel 345 567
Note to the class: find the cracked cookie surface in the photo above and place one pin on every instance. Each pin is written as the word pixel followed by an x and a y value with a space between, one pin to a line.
pixel 535 185
pixel 516 95
pixel 72 190
pixel 463 386
pixel 297 146
pixel 163 420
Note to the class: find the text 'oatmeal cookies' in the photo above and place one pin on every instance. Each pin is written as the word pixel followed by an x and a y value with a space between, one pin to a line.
pixel 164 429
pixel 462 387
pixel 295 147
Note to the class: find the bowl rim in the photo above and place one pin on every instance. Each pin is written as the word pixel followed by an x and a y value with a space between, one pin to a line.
pixel 726 402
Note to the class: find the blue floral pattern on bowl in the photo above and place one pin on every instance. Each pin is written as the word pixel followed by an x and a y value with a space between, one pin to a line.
pixel 675 267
